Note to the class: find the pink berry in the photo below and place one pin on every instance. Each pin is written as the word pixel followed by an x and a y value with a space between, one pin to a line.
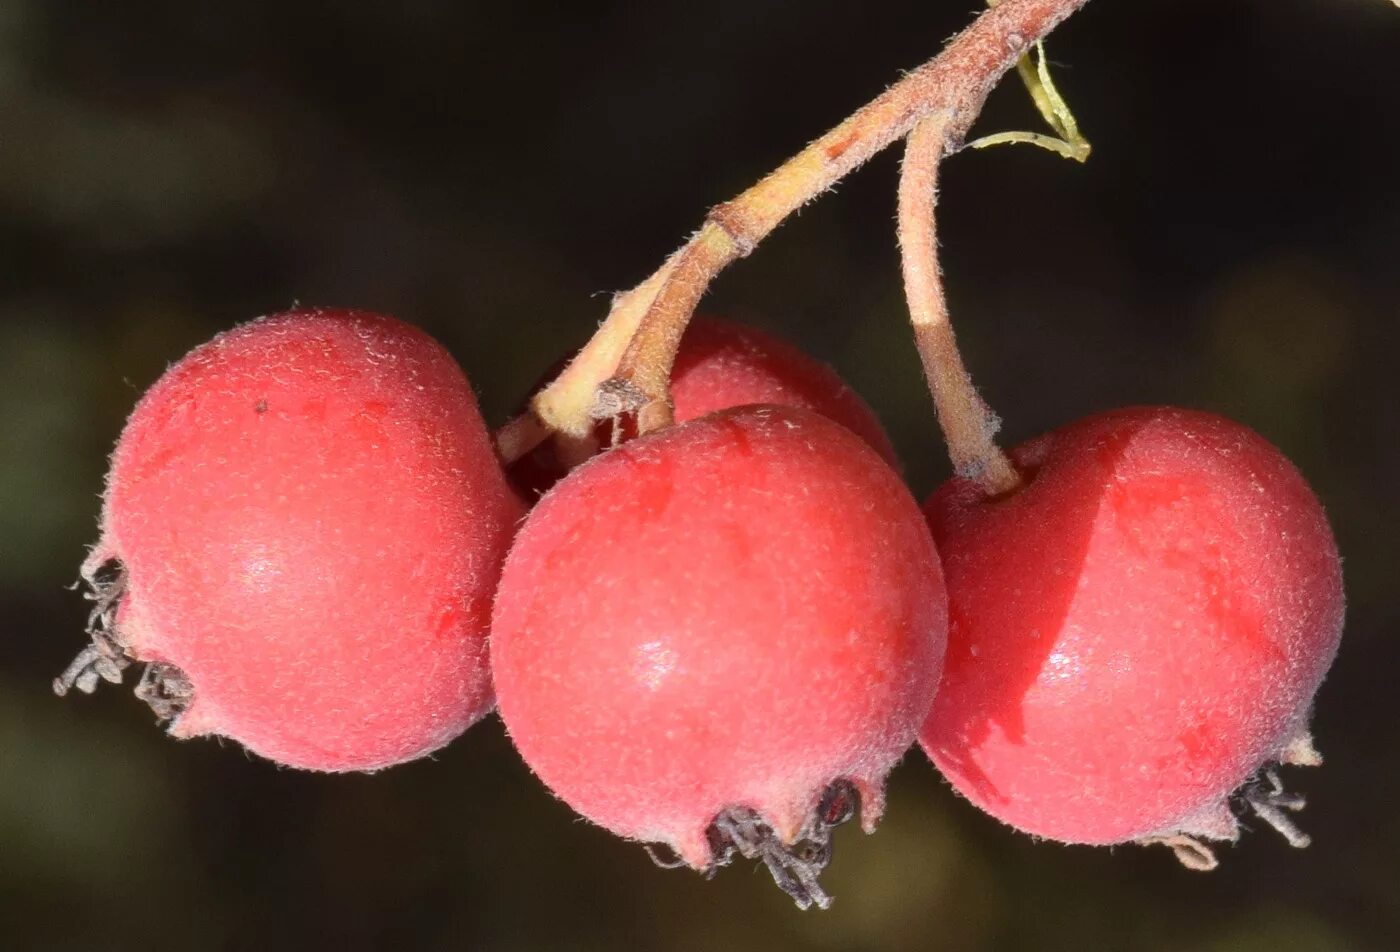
pixel 723 364
pixel 722 636
pixel 1136 635
pixel 309 521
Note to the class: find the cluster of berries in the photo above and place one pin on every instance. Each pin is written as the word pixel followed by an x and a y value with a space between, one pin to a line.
pixel 718 638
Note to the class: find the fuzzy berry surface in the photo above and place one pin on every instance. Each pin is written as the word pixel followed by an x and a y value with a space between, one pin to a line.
pixel 735 611
pixel 311 520
pixel 724 364
pixel 1136 631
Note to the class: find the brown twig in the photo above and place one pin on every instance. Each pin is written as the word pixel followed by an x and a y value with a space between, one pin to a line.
pixel 636 346
pixel 967 423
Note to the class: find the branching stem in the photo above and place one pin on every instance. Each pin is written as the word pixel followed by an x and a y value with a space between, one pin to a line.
pixel 630 357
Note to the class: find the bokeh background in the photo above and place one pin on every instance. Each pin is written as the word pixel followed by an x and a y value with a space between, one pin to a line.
pixel 490 171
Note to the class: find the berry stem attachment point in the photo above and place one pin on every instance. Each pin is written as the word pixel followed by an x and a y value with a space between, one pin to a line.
pixel 968 424
pixel 646 366
pixel 566 405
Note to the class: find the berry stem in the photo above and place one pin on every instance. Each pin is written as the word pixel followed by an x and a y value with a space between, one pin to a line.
pixel 645 371
pixel 968 424
pixel 519 436
pixel 632 374
pixel 566 405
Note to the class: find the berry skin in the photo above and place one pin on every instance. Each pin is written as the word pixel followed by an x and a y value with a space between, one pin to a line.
pixel 310 521
pixel 720 636
pixel 723 364
pixel 1135 634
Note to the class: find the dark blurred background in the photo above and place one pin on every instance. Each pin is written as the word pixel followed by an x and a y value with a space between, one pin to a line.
pixel 490 171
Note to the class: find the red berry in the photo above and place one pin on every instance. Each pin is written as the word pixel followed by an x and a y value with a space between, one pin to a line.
pixel 722 364
pixel 720 636
pixel 310 521
pixel 1135 634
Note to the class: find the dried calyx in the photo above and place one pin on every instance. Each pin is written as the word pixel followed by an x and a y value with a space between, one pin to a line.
pixel 1262 796
pixel 163 687
pixel 795 867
